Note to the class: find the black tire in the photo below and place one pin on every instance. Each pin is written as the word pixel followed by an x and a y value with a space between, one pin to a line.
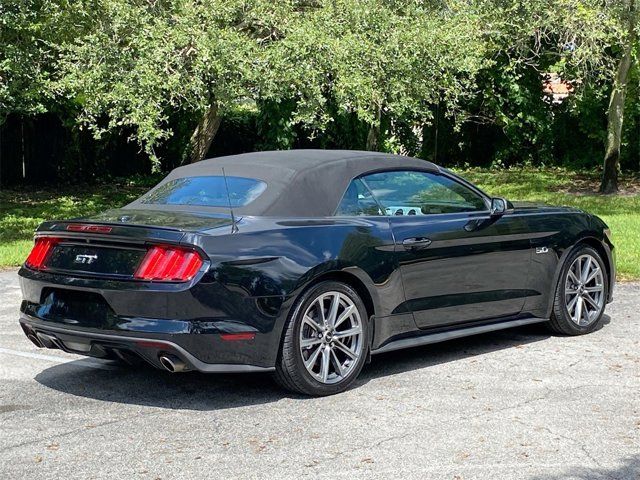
pixel 291 372
pixel 561 322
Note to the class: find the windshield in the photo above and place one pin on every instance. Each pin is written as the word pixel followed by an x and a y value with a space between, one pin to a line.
pixel 206 192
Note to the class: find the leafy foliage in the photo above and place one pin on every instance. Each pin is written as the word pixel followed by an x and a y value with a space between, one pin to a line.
pixel 456 81
pixel 29 31
pixel 374 59
pixel 142 61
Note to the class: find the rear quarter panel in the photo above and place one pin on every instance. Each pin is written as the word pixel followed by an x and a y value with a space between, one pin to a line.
pixel 270 261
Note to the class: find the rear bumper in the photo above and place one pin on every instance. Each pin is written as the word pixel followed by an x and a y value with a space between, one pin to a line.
pixel 210 327
pixel 128 348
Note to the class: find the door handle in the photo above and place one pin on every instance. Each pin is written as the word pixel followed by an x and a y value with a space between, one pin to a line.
pixel 416 243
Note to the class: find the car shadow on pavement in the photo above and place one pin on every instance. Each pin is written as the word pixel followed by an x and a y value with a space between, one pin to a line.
pixel 628 469
pixel 452 350
pixel 196 391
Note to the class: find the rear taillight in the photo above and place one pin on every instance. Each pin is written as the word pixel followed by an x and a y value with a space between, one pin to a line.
pixel 169 264
pixel 40 252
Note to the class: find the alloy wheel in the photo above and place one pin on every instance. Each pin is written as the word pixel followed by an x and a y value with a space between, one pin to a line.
pixel 331 337
pixel 584 290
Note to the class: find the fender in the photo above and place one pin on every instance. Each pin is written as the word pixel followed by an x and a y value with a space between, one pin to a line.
pixel 588 238
pixel 348 273
pixel 328 271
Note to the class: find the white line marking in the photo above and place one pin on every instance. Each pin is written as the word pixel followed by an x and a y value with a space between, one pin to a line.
pixel 50 358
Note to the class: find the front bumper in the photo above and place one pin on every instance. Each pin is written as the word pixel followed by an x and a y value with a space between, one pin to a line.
pixel 611 259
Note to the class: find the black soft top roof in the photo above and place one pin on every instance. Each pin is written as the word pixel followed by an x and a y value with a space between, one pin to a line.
pixel 300 183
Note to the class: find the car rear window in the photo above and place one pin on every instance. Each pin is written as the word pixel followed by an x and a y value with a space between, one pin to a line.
pixel 206 191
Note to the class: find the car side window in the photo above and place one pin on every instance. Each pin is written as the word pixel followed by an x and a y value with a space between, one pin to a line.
pixel 358 201
pixel 409 193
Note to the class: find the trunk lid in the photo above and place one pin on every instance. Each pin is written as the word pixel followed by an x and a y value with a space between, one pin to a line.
pixel 140 225
pixel 114 243
pixel 170 220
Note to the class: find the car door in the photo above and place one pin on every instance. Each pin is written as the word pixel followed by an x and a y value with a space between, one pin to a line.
pixel 458 263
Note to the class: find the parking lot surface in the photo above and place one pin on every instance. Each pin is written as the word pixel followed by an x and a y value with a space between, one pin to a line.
pixel 517 404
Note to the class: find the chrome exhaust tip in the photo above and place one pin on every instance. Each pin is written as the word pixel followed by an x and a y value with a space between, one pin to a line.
pixel 172 363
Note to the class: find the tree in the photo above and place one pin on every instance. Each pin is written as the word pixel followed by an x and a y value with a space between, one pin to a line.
pixel 382 61
pixel 615 113
pixel 155 69
pixel 144 60
pixel 30 31
pixel 527 40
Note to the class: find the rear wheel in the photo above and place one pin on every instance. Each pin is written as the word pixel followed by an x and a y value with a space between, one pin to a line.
pixel 325 341
pixel 581 293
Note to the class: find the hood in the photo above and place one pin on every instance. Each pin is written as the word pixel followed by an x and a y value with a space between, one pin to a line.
pixel 542 207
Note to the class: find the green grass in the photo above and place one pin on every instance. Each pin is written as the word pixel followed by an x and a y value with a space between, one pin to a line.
pixel 21 210
pixel 562 187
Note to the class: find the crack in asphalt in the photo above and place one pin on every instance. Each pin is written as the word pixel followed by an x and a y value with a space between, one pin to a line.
pixel 462 418
pixel 68 433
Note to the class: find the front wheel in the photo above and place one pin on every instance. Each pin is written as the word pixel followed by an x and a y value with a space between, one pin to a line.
pixel 581 293
pixel 325 341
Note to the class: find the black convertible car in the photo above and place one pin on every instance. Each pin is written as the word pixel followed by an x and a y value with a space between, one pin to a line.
pixel 306 263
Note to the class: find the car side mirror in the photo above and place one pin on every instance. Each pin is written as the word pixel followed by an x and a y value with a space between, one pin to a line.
pixel 498 206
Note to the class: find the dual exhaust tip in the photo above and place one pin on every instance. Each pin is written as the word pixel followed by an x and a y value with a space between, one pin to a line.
pixel 172 363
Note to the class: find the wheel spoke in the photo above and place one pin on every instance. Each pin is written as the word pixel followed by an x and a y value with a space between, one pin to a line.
pixel 571 291
pixel 309 342
pixel 573 277
pixel 312 323
pixel 596 289
pixel 593 275
pixel 320 302
pixel 346 349
pixel 336 363
pixel 348 333
pixel 578 315
pixel 585 311
pixel 591 301
pixel 572 304
pixel 344 315
pixel 311 361
pixel 326 360
pixel 586 270
pixel 333 310
pixel 579 269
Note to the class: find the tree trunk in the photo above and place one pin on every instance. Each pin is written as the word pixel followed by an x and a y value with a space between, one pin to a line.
pixel 615 114
pixel 204 134
pixel 373 138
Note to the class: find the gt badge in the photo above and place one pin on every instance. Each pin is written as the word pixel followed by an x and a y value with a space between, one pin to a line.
pixel 86 259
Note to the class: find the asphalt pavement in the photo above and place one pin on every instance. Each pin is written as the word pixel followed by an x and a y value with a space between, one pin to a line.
pixel 517 404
